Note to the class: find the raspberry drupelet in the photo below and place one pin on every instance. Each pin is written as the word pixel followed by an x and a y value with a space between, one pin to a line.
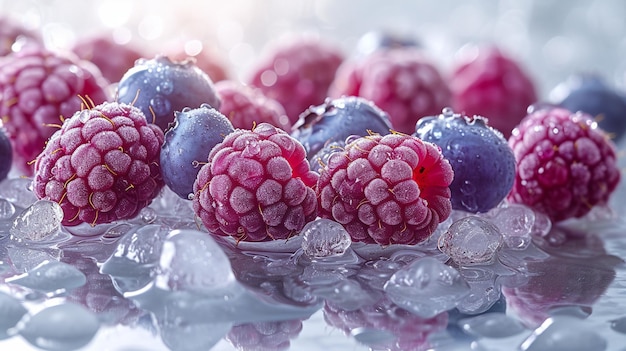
pixel 256 186
pixel 392 189
pixel 102 165
pixel 565 163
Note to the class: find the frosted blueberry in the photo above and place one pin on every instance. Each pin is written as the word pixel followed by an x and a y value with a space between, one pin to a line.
pixel 426 287
pixel 471 240
pixel 324 238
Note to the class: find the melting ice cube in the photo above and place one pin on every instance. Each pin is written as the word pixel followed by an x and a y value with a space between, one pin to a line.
pixel 471 240
pixel 325 238
pixel 516 223
pixel 564 333
pixel 38 222
pixel 50 276
pixel 18 191
pixel 427 287
pixel 492 325
pixel 61 327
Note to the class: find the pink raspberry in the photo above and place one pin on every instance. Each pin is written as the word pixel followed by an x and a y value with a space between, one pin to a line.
pixel 102 165
pixel 11 31
pixel 488 83
pixel 257 186
pixel 565 164
pixel 246 106
pixel 391 189
pixel 401 81
pixel 297 73
pixel 112 58
pixel 38 88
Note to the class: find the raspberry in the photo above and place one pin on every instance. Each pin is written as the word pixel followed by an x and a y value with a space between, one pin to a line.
pixel 112 58
pixel 565 164
pixel 102 165
pixel 246 106
pixel 11 31
pixel 391 189
pixel 488 83
pixel 257 186
pixel 37 86
pixel 297 73
pixel 401 81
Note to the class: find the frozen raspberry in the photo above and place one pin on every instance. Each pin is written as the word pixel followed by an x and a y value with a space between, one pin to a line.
pixel 11 31
pixel 246 106
pixel 297 73
pixel 112 58
pixel 488 83
pixel 264 336
pixel 391 189
pixel 482 161
pixel 102 165
pixel 401 81
pixel 565 164
pixel 38 88
pixel 404 330
pixel 257 186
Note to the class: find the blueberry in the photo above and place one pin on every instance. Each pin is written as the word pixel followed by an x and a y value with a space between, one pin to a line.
pixel 6 155
pixel 335 120
pixel 159 86
pixel 375 40
pixel 482 161
pixel 590 93
pixel 188 143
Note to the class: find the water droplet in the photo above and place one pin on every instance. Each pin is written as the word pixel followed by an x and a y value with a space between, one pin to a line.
pixel 468 188
pixel 148 215
pixel 447 112
pixel 619 325
pixel 83 116
pixel 160 105
pixel 165 87
pixel 492 325
pixel 7 210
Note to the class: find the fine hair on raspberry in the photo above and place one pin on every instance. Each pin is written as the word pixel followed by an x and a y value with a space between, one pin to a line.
pixel 392 189
pixel 102 165
pixel 256 186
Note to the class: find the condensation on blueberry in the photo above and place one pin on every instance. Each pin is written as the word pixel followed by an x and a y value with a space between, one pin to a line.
pixel 470 241
pixel 160 105
pixel 165 87
pixel 324 238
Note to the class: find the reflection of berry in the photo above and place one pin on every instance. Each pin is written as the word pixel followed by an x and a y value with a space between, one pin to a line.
pixel 102 165
pixel 488 83
pixel 264 336
pixel 256 186
pixel 386 189
pixel 402 82
pixel 410 331
pixel 246 106
pixel 112 58
pixel 297 73
pixel 36 87
pixel 565 164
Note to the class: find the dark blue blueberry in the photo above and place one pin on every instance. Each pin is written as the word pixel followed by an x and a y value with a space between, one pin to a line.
pixel 590 93
pixel 482 161
pixel 335 120
pixel 160 86
pixel 6 155
pixel 188 144
pixel 375 40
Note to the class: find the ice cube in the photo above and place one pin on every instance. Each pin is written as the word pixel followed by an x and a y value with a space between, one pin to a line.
pixel 50 276
pixel 484 289
pixel 24 259
pixel 11 311
pixel 18 191
pixel 61 327
pixel 324 238
pixel 564 333
pixel 192 337
pixel 192 260
pixel 7 209
pixel 427 287
pixel 515 223
pixel 39 222
pixel 491 325
pixel 471 240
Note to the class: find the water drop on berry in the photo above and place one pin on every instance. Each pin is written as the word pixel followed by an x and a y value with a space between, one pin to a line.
pixel 165 87
pixel 160 105
pixel 83 116
pixel 468 188
pixel 447 112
